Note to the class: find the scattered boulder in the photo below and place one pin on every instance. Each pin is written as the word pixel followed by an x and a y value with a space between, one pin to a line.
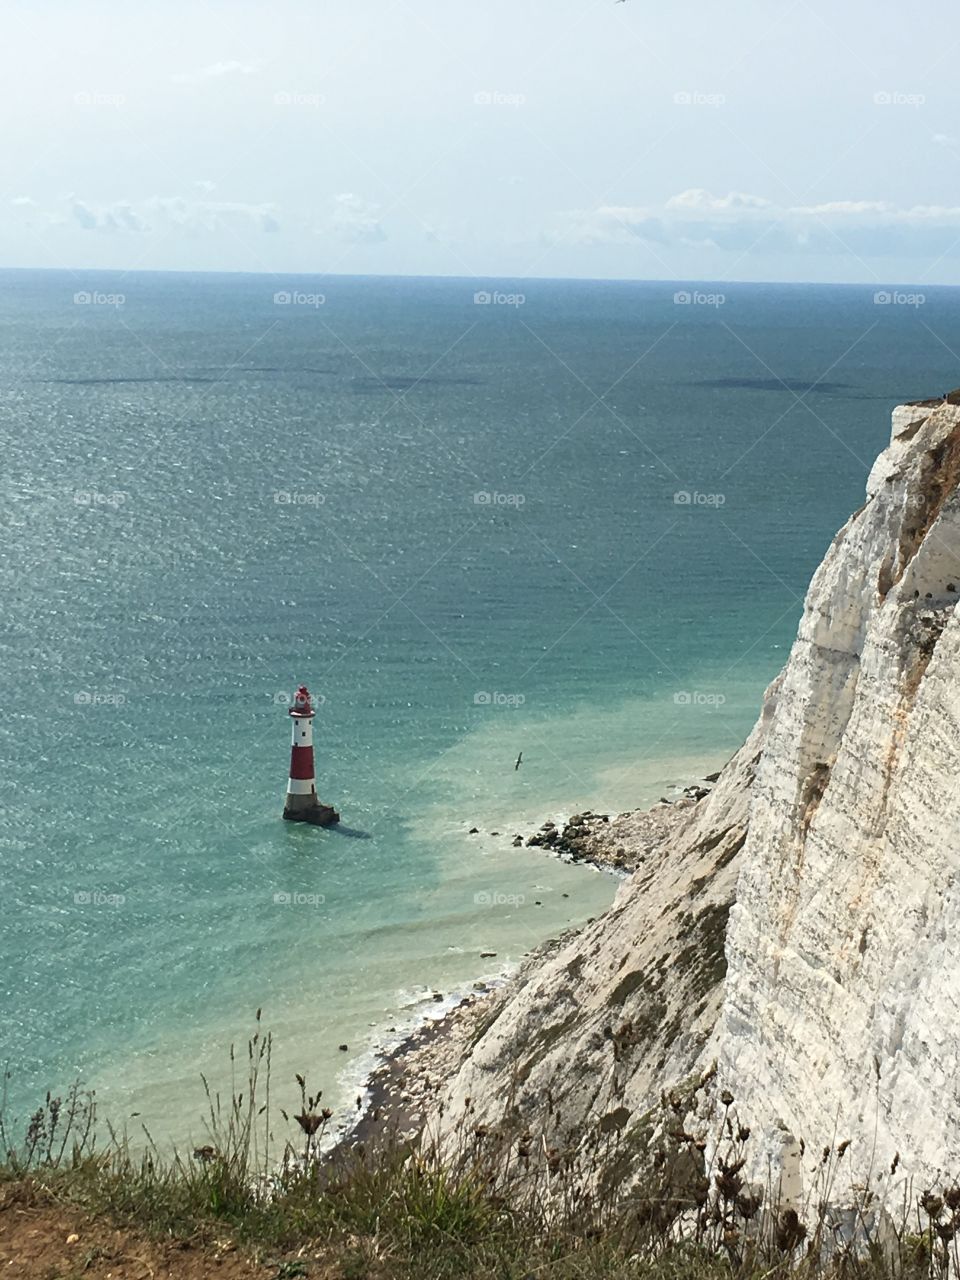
pixel 696 793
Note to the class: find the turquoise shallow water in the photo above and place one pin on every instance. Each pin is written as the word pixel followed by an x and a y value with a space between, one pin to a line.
pixel 458 524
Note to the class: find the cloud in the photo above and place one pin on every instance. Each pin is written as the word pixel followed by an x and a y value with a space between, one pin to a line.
pixel 213 215
pixel 357 221
pixel 174 212
pixel 216 71
pixel 120 216
pixel 739 222
pixel 697 200
pixel 945 140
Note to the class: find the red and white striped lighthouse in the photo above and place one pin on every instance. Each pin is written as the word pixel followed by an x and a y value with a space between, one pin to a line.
pixel 301 804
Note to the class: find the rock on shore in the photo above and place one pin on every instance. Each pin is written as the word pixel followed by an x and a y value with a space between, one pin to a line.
pixel 620 843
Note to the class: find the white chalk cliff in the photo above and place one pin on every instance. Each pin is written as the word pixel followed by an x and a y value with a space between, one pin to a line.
pixel 841 1009
pixel 830 998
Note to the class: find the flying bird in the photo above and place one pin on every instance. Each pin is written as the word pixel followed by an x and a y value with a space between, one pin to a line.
pixel 517 765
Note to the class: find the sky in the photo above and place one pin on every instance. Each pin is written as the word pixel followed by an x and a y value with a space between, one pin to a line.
pixel 785 140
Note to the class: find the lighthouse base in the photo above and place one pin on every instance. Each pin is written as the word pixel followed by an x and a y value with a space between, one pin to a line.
pixel 309 809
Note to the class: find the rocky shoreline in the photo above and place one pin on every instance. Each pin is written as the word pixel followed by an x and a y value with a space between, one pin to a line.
pixel 620 843
pixel 404 1089
pixel 409 1080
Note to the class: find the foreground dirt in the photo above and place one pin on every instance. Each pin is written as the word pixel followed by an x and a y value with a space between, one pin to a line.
pixel 44 1240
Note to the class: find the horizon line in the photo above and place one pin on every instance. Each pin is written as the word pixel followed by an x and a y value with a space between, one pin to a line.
pixel 400 275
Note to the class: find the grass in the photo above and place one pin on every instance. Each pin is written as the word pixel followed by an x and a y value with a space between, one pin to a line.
pixel 489 1204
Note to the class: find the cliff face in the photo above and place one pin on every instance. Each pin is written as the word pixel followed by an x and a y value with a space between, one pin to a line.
pixel 830 1000
pixel 841 1012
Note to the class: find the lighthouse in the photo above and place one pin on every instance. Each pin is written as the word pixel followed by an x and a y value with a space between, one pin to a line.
pixel 301 804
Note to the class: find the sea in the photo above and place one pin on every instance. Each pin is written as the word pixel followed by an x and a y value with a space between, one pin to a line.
pixel 569 519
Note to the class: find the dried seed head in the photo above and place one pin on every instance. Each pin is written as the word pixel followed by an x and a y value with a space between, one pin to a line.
pixel 790 1231
pixel 749 1204
pixel 308 1122
pixel 931 1205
